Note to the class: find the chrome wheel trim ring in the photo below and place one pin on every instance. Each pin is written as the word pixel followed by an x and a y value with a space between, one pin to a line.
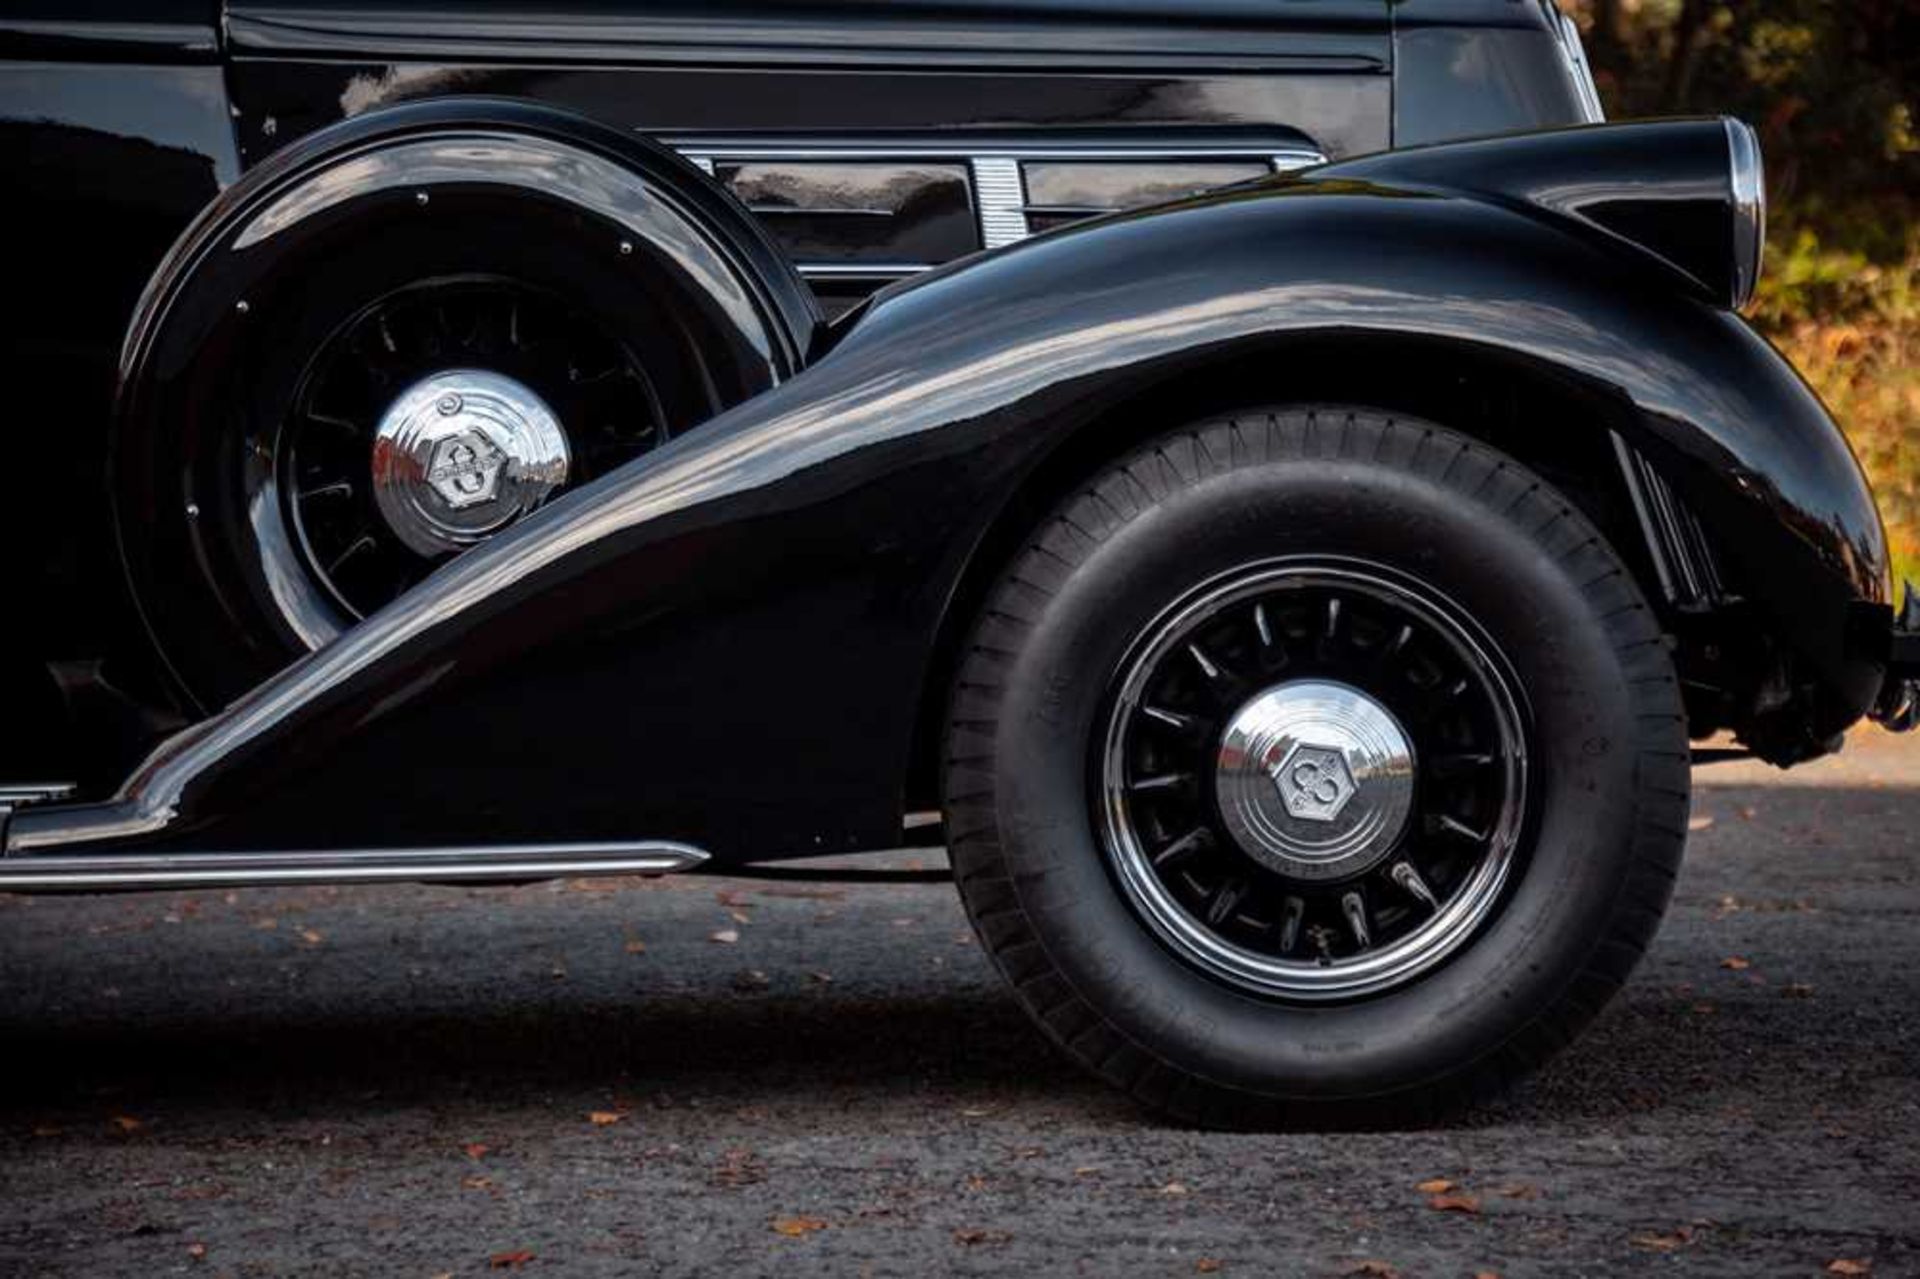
pixel 1467 907
pixel 461 454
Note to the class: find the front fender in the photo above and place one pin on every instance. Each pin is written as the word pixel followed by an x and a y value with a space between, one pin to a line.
pixel 725 641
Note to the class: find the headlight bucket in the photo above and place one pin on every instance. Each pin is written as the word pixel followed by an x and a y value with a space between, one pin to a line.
pixel 1747 177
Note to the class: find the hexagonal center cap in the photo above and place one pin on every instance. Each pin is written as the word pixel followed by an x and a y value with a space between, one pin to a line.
pixel 462 454
pixel 1315 779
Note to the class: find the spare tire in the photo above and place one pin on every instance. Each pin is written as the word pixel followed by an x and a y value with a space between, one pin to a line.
pixel 399 336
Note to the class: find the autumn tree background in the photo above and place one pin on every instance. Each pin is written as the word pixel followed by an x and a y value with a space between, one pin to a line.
pixel 1830 85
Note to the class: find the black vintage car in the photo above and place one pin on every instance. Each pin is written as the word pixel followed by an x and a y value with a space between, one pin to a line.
pixel 1285 572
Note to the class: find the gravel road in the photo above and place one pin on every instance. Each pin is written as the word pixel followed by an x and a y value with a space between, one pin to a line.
pixel 720 1076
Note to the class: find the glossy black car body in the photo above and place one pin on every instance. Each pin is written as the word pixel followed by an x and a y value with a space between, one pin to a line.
pixel 867 140
pixel 926 431
pixel 1288 600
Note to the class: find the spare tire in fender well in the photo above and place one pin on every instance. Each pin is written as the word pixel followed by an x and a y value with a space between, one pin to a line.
pixel 673 243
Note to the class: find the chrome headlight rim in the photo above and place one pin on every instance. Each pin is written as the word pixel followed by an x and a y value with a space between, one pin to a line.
pixel 1747 181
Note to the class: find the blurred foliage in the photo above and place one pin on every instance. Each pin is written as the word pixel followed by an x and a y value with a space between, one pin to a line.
pixel 1831 86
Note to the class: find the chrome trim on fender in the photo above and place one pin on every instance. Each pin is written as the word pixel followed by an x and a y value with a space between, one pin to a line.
pixel 1677 544
pixel 70 873
pixel 1000 193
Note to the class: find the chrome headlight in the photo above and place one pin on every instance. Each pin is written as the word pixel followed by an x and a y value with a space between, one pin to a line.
pixel 1748 176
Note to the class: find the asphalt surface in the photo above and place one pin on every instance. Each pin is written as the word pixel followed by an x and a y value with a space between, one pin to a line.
pixel 589 1077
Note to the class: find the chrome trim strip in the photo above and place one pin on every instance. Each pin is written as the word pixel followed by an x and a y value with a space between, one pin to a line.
pixel 1574 51
pixel 860 270
pixel 43 873
pixel 18 793
pixel 698 151
pixel 1000 193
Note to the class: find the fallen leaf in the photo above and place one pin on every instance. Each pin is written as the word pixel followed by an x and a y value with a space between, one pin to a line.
pixel 726 936
pixel 1455 1203
pixel 311 936
pixel 1435 1186
pixel 971 1237
pixel 1736 964
pixel 730 897
pixel 1486 1274
pixel 1174 1188
pixel 198 1251
pixel 1680 1238
pixel 824 978
pixel 738 1168
pixel 1208 1265
pixel 1520 1190
pixel 797 1227
pixel 267 924
pixel 1086 1171
pixel 476 1182
pixel 1699 823
pixel 740 917
pixel 1849 1266
pixel 510 1260
pixel 127 1123
pixel 1797 990
pixel 475 1149
pixel 635 946
pixel 1375 1267
pixel 750 980
pixel 602 1118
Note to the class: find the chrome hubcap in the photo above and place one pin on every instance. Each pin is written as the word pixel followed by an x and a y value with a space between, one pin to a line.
pixel 460 455
pixel 1315 779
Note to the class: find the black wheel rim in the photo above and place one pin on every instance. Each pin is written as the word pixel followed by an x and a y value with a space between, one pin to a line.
pixel 1280 929
pixel 328 555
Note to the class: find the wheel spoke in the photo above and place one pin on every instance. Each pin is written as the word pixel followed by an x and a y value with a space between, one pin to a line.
pixel 1182 848
pixel 1354 907
pixel 1403 874
pixel 1459 763
pixel 1260 624
pixel 1451 825
pixel 1172 719
pixel 1161 781
pixel 1207 665
pixel 359 546
pixel 1291 913
pixel 1228 896
pixel 339 488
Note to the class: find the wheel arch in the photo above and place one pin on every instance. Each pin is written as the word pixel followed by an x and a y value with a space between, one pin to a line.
pixel 518 166
pixel 1487 394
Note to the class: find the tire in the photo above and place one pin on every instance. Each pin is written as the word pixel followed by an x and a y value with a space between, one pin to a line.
pixel 1243 572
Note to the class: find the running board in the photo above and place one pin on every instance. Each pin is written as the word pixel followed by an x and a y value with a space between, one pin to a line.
pixel 101 872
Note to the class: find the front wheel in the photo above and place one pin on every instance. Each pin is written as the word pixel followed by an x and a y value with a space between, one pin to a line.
pixel 1315 766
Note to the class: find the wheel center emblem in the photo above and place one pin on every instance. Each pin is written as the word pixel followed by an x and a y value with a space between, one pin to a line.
pixel 1314 779
pixel 465 469
pixel 462 454
pixel 1315 782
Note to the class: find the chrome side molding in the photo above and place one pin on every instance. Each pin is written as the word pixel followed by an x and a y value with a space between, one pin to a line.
pixel 102 872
